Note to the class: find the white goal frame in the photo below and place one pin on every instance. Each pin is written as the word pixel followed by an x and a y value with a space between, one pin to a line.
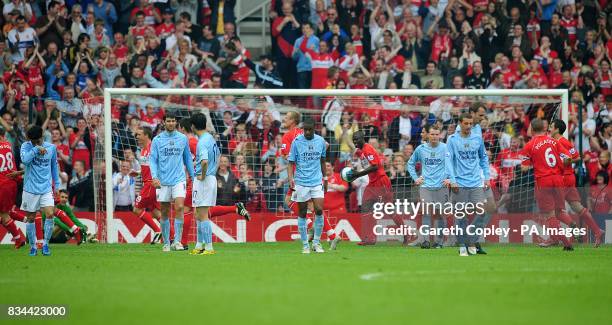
pixel 109 92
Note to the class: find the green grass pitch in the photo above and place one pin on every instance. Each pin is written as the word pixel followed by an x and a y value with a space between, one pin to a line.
pixel 272 283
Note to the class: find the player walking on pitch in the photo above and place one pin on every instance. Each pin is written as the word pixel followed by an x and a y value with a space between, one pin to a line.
pixel 544 153
pixel 291 122
pixel 470 164
pixel 204 184
pixel 41 167
pixel 435 176
pixel 307 155
pixel 571 194
pixel 169 157
pixel 478 112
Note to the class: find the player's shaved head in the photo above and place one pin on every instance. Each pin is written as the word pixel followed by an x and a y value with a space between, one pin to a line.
pixel 537 125
pixel 198 121
pixel 308 127
pixel 358 139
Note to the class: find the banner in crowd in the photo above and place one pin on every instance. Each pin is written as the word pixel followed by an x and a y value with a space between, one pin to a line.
pixel 270 227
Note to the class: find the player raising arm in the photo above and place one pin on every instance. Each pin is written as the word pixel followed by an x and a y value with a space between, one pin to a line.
pixel 435 176
pixel 307 156
pixel 40 160
pixel 543 152
pixel 205 184
pixel 169 157
pixel 469 163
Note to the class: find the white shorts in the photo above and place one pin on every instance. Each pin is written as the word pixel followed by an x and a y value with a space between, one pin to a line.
pixel 306 193
pixel 167 193
pixel 204 192
pixel 33 202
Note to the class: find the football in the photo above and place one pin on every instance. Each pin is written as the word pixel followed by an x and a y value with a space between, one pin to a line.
pixel 347 174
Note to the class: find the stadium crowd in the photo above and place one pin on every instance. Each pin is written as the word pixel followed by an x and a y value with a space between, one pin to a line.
pixel 57 56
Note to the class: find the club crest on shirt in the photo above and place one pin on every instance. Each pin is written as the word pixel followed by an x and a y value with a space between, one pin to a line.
pixel 432 155
pixel 171 143
pixel 310 147
pixel 466 145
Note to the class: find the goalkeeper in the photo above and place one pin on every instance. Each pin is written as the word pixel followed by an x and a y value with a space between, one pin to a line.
pixel 63 231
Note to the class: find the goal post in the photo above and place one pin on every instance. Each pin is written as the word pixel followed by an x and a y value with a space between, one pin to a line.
pixel 110 234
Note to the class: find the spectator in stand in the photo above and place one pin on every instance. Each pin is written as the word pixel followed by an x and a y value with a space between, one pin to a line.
pixel 49 28
pixel 22 6
pixel 209 43
pixel 400 130
pixel 285 30
pixel 255 199
pixel 164 80
pixel 401 182
pixel 270 185
pixel 344 133
pixel 599 163
pixel 431 78
pixel 222 13
pixel 601 194
pixel 20 39
pixel 63 151
pixel 336 189
pixel 106 11
pixel 304 66
pixel 124 192
pixel 80 143
pixel 407 79
pixel 80 188
pixel 381 19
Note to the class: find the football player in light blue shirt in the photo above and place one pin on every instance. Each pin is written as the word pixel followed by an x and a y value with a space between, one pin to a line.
pixel 434 180
pixel 307 155
pixel 41 167
pixel 478 111
pixel 169 158
pixel 205 183
pixel 470 161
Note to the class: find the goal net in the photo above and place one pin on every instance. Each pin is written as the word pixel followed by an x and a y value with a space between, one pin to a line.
pixel 249 126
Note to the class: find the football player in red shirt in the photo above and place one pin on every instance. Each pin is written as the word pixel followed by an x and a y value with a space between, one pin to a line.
pixel 290 123
pixel 571 194
pixel 544 154
pixel 378 189
pixel 147 198
pixel 9 176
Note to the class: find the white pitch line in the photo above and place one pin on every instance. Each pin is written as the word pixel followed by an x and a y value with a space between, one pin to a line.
pixel 370 276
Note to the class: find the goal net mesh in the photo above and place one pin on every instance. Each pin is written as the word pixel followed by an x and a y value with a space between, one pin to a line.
pixel 249 131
